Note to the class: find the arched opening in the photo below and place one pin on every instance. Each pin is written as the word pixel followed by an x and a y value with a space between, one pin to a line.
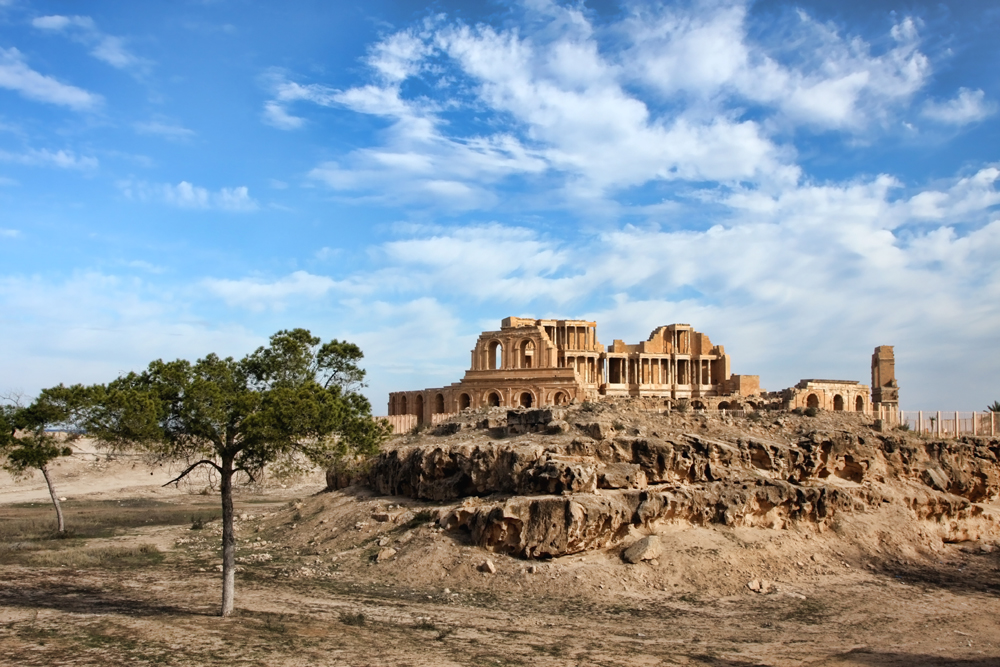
pixel 402 406
pixel 527 354
pixel 812 401
pixel 559 398
pixel 697 405
pixel 724 405
pixel 493 400
pixel 525 399
pixel 464 402
pixel 419 408
pixel 439 404
pixel 838 403
pixel 859 404
pixel 495 357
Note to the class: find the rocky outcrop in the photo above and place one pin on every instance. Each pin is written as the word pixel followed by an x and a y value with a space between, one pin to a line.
pixel 552 496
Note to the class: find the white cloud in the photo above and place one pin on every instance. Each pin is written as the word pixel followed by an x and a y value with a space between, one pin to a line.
pixel 276 116
pixel 8 182
pixel 9 233
pixel 602 115
pixel 106 48
pixel 16 75
pixel 166 130
pixel 969 106
pixel 259 295
pixel 63 159
pixel 188 195
pixel 971 195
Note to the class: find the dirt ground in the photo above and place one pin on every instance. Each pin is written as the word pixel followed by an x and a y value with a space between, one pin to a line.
pixel 349 578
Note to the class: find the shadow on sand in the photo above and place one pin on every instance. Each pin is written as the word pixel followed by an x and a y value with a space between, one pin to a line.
pixel 85 599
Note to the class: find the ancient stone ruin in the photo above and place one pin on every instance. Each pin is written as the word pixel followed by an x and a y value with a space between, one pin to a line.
pixel 538 363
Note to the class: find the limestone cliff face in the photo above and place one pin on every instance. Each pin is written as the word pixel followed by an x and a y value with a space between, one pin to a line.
pixel 550 495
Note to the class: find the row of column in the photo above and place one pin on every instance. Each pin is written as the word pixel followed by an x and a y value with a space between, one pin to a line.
pixel 571 337
pixel 655 371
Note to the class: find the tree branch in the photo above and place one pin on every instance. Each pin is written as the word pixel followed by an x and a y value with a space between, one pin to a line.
pixel 192 467
pixel 249 474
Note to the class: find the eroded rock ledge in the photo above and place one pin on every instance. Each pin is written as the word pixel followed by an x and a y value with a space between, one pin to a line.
pixel 548 483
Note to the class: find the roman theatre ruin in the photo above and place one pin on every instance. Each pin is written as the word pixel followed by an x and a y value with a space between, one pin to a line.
pixel 537 363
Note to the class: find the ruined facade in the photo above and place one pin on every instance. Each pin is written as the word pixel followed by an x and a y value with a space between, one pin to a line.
pixel 836 395
pixel 885 391
pixel 531 363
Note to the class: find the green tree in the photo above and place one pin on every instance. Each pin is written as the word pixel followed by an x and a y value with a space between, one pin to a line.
pixel 995 407
pixel 291 397
pixel 26 446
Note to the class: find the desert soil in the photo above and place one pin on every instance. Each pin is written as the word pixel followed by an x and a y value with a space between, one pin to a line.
pixel 142 586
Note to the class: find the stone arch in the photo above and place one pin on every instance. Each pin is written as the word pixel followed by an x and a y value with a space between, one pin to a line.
pixel 560 398
pixel 526 353
pixel 402 406
pixel 859 404
pixel 418 406
pixel 697 405
pixel 525 400
pixel 439 404
pixel 494 399
pixel 724 405
pixel 838 403
pixel 464 402
pixel 494 357
pixel 812 401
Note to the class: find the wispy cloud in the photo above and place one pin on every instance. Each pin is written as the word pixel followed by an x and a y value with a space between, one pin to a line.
pixel 969 106
pixel 170 131
pixel 658 96
pixel 16 75
pixel 106 48
pixel 9 233
pixel 63 159
pixel 257 294
pixel 187 195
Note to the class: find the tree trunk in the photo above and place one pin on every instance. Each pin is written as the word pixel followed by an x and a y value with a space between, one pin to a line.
pixel 228 539
pixel 55 500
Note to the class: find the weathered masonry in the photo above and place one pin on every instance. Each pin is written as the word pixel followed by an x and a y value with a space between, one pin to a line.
pixel 885 391
pixel 530 363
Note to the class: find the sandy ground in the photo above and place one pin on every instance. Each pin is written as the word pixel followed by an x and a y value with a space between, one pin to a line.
pixel 875 588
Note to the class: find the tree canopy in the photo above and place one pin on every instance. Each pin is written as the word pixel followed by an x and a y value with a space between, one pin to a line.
pixel 294 396
pixel 25 444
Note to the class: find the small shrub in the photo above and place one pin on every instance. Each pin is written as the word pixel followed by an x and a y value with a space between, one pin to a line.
pixel 683 405
pixel 356 620
pixel 797 411
pixel 811 412
pixel 903 427
pixel 425 625
pixel 197 523
pixel 755 417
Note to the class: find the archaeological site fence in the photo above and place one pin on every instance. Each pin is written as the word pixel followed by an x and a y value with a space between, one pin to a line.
pixel 951 424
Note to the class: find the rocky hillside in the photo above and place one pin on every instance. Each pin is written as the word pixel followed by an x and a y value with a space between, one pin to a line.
pixel 551 482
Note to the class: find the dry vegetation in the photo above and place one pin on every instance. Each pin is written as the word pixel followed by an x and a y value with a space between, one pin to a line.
pixel 136 582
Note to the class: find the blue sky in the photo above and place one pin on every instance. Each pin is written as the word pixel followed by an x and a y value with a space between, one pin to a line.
pixel 802 182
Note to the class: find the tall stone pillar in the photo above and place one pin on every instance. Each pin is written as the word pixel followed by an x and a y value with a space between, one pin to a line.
pixel 885 391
